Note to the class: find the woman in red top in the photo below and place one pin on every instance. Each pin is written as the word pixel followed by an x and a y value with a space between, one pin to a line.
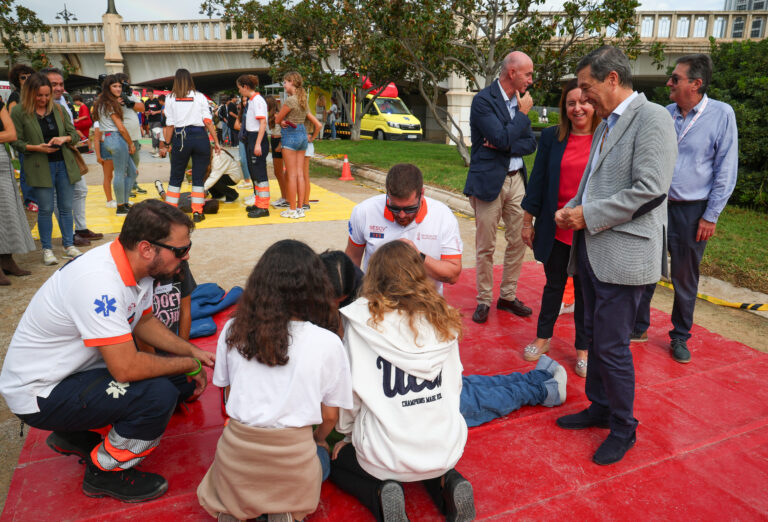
pixel 560 162
pixel 83 122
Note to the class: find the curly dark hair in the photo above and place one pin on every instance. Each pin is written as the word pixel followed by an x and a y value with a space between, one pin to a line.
pixel 288 283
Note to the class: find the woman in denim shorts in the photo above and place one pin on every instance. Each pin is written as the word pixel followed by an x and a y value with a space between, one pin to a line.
pixel 294 140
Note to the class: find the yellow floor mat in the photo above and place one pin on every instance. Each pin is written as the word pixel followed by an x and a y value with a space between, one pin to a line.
pixel 329 207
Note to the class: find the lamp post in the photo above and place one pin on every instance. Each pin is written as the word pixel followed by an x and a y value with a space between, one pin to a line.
pixel 66 15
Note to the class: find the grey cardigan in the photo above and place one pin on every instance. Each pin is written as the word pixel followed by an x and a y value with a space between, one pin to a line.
pixel 626 210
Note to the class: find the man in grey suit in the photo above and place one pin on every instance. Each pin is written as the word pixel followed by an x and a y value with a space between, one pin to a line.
pixel 619 214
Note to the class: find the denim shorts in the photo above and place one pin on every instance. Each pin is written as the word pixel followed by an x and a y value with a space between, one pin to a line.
pixel 294 139
pixel 105 154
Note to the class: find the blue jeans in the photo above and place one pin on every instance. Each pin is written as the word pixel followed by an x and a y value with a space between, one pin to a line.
pixel 125 169
pixel 244 161
pixel 225 133
pixel 325 462
pixel 487 397
pixel 333 130
pixel 62 190
pixel 27 192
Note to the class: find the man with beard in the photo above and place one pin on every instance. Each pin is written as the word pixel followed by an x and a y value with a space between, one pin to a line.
pixel 72 365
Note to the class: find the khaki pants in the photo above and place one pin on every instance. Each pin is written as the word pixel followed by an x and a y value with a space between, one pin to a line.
pixel 487 217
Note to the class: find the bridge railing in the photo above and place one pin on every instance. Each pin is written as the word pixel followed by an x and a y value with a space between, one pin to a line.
pixel 672 27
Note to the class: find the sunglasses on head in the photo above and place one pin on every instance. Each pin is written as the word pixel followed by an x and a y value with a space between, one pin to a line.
pixel 177 251
pixel 413 209
pixel 23 77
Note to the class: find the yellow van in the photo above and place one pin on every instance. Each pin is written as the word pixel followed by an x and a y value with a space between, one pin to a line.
pixel 389 119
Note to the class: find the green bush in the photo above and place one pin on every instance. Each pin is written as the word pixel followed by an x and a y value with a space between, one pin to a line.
pixel 553 117
pixel 533 116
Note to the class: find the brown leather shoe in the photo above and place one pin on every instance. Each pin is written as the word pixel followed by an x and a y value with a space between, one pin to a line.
pixel 516 307
pixel 481 313
pixel 89 234
pixel 80 240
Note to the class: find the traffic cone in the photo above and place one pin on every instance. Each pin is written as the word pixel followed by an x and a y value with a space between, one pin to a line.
pixel 346 171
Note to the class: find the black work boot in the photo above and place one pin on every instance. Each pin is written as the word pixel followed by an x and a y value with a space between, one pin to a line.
pixel 79 443
pixel 128 485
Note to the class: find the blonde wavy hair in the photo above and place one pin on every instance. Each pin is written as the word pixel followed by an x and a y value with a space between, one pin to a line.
pixel 301 94
pixel 397 281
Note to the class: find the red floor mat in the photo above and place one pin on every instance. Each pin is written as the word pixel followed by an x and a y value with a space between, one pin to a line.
pixel 702 450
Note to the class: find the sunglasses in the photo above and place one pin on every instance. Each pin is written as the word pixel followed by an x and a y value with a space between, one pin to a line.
pixel 23 77
pixel 675 78
pixel 408 210
pixel 179 252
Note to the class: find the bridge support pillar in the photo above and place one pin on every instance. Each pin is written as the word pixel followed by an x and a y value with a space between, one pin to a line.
pixel 113 58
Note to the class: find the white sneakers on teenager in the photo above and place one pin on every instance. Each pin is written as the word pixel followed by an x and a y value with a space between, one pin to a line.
pixel 293 214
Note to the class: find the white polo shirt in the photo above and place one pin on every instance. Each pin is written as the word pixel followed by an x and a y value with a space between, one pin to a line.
pixel 192 110
pixel 257 113
pixel 92 301
pixel 434 231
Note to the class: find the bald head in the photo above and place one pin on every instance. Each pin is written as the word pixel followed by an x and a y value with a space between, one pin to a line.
pixel 516 73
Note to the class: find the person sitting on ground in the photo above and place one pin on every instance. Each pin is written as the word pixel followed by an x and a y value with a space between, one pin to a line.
pixel 401 318
pixel 172 305
pixel 225 173
pixel 283 369
pixel 72 365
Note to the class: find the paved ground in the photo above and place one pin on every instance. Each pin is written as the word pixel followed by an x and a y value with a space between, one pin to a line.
pixel 243 246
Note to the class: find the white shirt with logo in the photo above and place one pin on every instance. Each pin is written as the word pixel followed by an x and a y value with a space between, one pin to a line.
pixel 434 231
pixel 92 301
pixel 191 111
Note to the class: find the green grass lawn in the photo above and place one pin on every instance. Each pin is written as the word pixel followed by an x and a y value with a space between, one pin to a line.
pixel 738 253
pixel 441 164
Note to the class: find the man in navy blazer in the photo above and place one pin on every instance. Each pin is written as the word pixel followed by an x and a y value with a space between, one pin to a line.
pixel 501 136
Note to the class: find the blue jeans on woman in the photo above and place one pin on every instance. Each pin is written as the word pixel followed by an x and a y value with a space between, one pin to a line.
pixel 244 161
pixel 62 189
pixel 125 169
pixel 27 192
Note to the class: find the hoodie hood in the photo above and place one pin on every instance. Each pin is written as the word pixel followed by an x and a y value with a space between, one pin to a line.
pixel 423 358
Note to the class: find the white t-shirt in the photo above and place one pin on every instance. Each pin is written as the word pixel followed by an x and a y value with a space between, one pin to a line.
pixel 257 113
pixel 91 301
pixel 192 110
pixel 435 231
pixel 333 113
pixel 286 396
pixel 131 121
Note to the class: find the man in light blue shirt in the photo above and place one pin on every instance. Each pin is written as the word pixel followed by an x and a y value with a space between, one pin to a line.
pixel 705 175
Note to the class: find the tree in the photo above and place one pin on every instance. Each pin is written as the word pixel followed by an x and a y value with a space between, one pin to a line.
pixel 471 38
pixel 14 21
pixel 334 44
pixel 740 79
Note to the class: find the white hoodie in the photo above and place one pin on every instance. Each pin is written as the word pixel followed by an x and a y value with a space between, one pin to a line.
pixel 405 424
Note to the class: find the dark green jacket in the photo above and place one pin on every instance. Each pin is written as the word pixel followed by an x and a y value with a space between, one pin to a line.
pixel 29 133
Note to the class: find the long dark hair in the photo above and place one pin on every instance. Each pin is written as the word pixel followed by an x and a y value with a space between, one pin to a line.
pixel 183 83
pixel 288 283
pixel 107 103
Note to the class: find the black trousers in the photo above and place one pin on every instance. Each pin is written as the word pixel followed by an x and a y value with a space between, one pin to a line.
pixel 686 254
pixel 609 314
pixel 347 474
pixel 556 270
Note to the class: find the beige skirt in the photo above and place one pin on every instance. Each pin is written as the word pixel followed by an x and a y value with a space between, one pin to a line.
pixel 257 471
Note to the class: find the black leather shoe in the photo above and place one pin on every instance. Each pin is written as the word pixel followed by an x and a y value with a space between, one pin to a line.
pixel 680 351
pixel 89 234
pixel 481 313
pixel 581 420
pixel 613 449
pixel 258 213
pixel 197 217
pixel 516 307
pixel 130 485
pixel 251 208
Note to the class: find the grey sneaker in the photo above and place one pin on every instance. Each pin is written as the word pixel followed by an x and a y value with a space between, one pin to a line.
pixel 680 351
pixel 392 502
pixel 72 252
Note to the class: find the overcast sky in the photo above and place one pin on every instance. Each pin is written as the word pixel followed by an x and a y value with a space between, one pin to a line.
pixel 150 10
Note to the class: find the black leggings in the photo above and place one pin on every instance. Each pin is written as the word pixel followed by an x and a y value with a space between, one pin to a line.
pixel 347 474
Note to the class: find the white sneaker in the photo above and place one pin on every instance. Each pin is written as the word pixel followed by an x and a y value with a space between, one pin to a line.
pixel 111 203
pixel 245 185
pixel 249 200
pixel 287 213
pixel 49 258
pixel 299 213
pixel 71 251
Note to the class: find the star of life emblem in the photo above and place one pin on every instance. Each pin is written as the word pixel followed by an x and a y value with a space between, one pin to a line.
pixel 117 389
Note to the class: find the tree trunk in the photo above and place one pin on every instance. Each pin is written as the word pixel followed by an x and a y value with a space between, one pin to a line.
pixel 446 122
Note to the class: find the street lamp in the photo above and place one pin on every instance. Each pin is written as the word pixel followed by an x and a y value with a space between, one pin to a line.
pixel 66 15
pixel 208 9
